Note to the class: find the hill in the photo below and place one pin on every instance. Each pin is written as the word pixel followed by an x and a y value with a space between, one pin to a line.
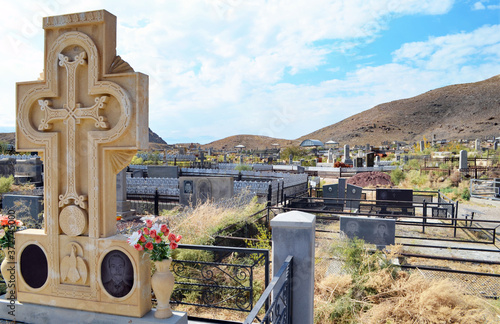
pixel 155 141
pixel 462 111
pixel 251 142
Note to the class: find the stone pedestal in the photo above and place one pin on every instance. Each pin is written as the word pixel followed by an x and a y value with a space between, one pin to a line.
pixel 39 314
pixel 293 234
pixel 122 205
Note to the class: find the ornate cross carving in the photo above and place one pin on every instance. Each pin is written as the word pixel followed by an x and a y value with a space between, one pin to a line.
pixel 71 114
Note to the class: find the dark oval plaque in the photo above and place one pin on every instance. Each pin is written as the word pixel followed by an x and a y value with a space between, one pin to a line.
pixel 117 274
pixel 34 269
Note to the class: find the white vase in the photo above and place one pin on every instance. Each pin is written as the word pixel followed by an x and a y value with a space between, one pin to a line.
pixel 162 283
pixel 8 269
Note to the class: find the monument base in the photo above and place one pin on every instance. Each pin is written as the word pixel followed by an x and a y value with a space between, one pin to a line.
pixel 41 314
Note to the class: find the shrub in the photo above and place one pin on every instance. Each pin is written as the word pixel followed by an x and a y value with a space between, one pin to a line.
pixel 397 175
pixel 6 184
pixel 243 167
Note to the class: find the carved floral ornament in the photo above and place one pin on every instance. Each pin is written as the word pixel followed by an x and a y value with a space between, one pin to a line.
pixel 73 217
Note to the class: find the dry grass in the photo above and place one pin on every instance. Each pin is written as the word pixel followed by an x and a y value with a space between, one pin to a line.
pixel 384 295
pixel 199 225
pixel 414 299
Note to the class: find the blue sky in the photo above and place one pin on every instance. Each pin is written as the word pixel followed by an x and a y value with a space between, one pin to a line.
pixel 277 68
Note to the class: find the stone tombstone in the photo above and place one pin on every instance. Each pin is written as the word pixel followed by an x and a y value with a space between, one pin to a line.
pixel 370 160
pixel 202 157
pixel 463 165
pixel 198 190
pixel 209 152
pixel 378 231
pixel 241 159
pixel 290 159
pixel 332 191
pixel 330 156
pixel 377 160
pixel 495 145
pixel 342 184
pixel 358 162
pixel 225 158
pixel 353 196
pixel 28 208
pixel 477 145
pixel 163 171
pixel 86 118
pixel 122 205
pixel 347 155
pixel 29 170
pixel 496 182
pixel 137 173
pixel 422 146
pixel 182 150
pixel 7 168
pixel 368 148
pixel 397 198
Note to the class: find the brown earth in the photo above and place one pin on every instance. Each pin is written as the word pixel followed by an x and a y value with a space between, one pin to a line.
pixel 251 142
pixel 370 179
pixel 462 111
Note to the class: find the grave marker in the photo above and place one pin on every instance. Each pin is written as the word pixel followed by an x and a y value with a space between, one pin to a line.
pixel 378 231
pixel 86 119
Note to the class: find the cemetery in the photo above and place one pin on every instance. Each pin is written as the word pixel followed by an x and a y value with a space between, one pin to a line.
pixel 97 228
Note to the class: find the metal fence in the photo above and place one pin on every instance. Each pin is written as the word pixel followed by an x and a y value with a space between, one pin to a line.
pixel 485 189
pixel 227 282
pixel 279 311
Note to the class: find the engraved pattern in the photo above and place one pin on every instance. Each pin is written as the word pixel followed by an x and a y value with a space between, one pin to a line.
pixel 73 220
pixel 87 17
pixel 71 114
pixel 74 269
pixel 47 145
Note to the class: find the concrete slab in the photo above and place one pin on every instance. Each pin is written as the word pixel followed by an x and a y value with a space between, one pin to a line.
pixel 40 314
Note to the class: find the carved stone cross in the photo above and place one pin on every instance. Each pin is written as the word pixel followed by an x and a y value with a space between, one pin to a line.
pixel 87 118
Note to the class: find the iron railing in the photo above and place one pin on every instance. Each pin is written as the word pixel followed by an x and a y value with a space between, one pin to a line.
pixel 280 310
pixel 227 283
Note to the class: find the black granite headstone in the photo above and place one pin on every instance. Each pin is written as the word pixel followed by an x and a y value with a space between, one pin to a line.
pixel 331 193
pixel 28 171
pixel 33 266
pixel 117 274
pixel 26 207
pixel 377 231
pixel 7 167
pixel 353 195
pixel 370 160
pixel 403 198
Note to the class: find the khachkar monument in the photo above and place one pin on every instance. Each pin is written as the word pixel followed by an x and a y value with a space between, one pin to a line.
pixel 87 118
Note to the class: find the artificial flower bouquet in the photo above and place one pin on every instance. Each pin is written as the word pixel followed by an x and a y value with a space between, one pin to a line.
pixel 155 239
pixel 9 225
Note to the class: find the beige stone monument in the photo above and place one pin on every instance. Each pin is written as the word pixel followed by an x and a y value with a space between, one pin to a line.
pixel 86 117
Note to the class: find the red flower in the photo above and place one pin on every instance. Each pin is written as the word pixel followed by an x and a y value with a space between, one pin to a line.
pixel 149 223
pixel 164 229
pixel 152 233
pixel 178 238
pixel 149 246
pixel 146 231
pixel 158 239
pixel 171 237
pixel 4 221
pixel 138 247
pixel 173 245
pixel 142 239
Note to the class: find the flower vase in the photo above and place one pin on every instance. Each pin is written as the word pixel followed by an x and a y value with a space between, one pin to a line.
pixel 8 270
pixel 162 283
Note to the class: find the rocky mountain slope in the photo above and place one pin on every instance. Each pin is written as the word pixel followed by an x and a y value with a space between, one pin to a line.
pixel 462 111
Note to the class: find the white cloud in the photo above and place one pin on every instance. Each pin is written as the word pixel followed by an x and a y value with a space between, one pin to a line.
pixel 217 67
pixel 478 6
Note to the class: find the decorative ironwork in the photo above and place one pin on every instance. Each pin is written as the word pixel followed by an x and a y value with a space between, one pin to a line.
pixel 223 285
pixel 280 310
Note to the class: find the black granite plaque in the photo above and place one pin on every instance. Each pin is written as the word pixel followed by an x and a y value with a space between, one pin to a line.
pixel 34 269
pixel 353 194
pixel 378 231
pixel 188 186
pixel 117 274
pixel 403 198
